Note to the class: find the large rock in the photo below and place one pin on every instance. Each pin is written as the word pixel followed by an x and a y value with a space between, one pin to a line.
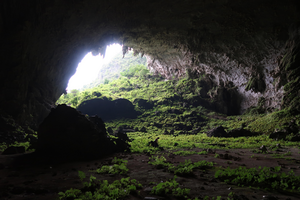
pixel 217 132
pixel 108 110
pixel 67 132
pixel 143 103
pixel 240 132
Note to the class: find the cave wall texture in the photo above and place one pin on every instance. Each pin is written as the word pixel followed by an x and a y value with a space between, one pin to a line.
pixel 237 43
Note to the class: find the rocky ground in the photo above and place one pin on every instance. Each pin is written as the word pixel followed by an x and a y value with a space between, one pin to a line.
pixel 29 176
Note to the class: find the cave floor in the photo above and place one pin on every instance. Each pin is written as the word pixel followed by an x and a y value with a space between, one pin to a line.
pixel 26 176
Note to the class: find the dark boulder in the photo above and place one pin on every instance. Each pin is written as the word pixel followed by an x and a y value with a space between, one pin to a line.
pixel 290 128
pixel 108 110
pixel 109 130
pixel 67 132
pixel 154 143
pixel 121 134
pixel 240 132
pixel 217 132
pixel 278 135
pixel 143 103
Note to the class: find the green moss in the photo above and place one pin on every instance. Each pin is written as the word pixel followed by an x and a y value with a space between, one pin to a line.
pixel 290 75
pixel 268 123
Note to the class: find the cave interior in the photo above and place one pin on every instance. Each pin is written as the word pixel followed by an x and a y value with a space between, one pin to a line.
pixel 252 46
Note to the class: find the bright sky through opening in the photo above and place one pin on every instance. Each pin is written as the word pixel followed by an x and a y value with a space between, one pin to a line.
pixel 89 67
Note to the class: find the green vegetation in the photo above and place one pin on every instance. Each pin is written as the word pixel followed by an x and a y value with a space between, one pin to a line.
pixel 3 145
pixel 98 190
pixel 200 141
pixel 180 115
pixel 187 167
pixel 178 105
pixel 170 187
pixel 265 178
pixel 116 67
pixel 159 162
pixel 119 167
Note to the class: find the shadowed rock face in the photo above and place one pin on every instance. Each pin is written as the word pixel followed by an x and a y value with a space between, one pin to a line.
pixel 236 41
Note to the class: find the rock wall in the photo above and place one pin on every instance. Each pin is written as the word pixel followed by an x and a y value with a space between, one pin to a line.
pixel 234 41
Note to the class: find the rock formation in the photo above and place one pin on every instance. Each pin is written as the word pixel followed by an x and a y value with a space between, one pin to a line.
pixel 66 132
pixel 108 110
pixel 252 45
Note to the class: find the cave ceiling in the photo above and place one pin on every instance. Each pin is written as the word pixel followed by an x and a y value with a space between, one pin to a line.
pixel 232 41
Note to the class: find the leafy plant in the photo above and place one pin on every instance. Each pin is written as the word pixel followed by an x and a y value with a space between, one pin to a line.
pixel 187 167
pixel 159 162
pixel 98 190
pixel 119 168
pixel 170 187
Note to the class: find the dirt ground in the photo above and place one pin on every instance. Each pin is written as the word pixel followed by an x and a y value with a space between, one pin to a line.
pixel 28 176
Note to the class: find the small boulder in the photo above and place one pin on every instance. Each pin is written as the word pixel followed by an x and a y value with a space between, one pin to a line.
pixel 123 136
pixel 296 138
pixel 110 131
pixel 278 135
pixel 154 143
pixel 217 132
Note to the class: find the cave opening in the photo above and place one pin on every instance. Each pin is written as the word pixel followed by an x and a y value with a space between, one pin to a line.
pixel 89 67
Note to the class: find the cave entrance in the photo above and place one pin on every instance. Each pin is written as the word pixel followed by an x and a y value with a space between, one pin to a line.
pixel 89 67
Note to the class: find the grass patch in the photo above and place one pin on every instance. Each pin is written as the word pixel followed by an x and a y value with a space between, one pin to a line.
pixel 97 190
pixel 268 178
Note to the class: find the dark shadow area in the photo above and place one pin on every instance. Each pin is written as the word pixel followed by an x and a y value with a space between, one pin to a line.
pixel 108 110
